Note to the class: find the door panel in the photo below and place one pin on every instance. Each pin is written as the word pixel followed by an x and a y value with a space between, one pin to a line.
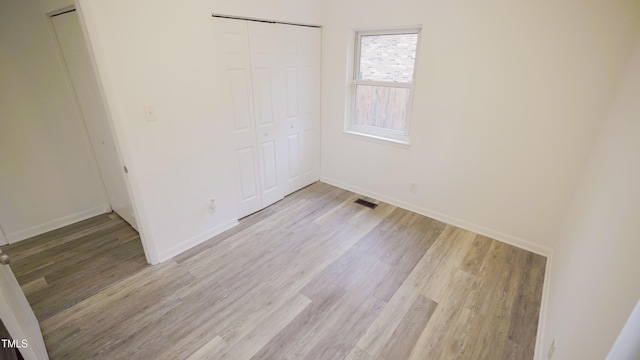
pixel 262 100
pixel 268 86
pixel 247 166
pixel 292 92
pixel 18 318
pixel 80 68
pixel 301 64
pixel 232 39
pixel 310 86
pixel 269 175
pixel 308 164
pixel 260 43
pixel 241 98
pixel 294 155
pixel 307 90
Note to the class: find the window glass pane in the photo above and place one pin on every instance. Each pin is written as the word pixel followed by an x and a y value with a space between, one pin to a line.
pixel 388 57
pixel 382 107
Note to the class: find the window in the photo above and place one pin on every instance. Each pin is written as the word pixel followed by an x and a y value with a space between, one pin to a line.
pixel 383 82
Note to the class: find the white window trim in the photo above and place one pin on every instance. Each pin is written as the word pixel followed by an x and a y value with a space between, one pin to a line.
pixel 387 135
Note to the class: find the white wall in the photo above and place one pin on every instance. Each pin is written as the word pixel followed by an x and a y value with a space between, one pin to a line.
pixel 627 346
pixel 163 53
pixel 48 176
pixel 596 269
pixel 509 96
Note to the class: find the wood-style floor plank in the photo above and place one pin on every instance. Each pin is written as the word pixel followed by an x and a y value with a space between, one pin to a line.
pixel 409 329
pixel 358 354
pixel 314 276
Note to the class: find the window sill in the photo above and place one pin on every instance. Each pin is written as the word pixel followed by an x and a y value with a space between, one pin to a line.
pixel 377 139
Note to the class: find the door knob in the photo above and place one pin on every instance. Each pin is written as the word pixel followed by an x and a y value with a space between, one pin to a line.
pixel 5 259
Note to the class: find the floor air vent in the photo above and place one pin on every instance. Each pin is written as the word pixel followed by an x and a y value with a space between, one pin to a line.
pixel 366 203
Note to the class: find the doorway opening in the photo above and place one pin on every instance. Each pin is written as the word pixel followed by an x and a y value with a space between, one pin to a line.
pixel 89 100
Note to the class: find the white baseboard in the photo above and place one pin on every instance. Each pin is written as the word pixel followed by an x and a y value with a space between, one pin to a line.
pixel 196 240
pixel 494 234
pixel 55 224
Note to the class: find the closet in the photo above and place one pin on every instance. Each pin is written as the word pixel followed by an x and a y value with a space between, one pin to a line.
pixel 79 64
pixel 270 81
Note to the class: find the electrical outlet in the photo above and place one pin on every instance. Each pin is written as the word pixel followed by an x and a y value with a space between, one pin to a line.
pixel 552 349
pixel 212 204
pixel 413 187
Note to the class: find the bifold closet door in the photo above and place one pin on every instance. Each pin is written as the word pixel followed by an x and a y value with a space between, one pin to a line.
pixel 300 62
pixel 232 42
pixel 271 87
pixel 264 50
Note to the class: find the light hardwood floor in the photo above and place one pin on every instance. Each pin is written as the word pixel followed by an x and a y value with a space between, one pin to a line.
pixel 314 276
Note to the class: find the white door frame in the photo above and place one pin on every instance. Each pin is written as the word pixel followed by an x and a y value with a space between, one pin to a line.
pixel 82 76
pixel 150 251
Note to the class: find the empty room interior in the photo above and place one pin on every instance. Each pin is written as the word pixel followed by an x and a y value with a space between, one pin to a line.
pixel 320 179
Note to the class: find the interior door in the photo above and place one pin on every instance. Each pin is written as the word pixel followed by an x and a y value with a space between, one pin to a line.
pixel 17 316
pixel 81 71
pixel 309 98
pixel 271 82
pixel 232 40
pixel 300 47
pixel 267 91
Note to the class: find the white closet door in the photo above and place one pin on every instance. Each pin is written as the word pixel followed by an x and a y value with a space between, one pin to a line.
pixel 267 92
pixel 233 44
pixel 87 91
pixel 300 47
pixel 271 85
